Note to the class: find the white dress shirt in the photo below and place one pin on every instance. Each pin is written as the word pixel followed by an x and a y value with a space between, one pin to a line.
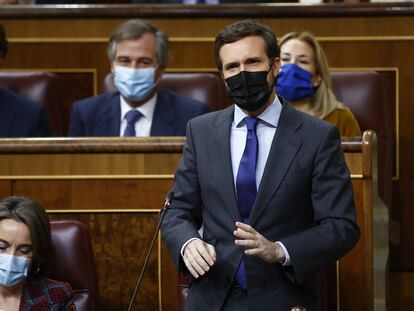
pixel 143 125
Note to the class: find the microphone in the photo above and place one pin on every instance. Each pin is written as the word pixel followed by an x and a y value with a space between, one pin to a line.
pixel 167 203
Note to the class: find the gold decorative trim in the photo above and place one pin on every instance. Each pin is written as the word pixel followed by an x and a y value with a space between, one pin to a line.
pixel 93 71
pixel 107 177
pixel 100 211
pixel 84 177
pixel 201 39
pixel 193 70
pixel 397 124
pixel 338 295
pixel 365 38
pixel 58 40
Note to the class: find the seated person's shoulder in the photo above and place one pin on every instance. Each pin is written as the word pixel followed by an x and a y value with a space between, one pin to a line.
pixel 55 291
pixel 183 103
pixel 93 101
pixel 18 102
pixel 345 120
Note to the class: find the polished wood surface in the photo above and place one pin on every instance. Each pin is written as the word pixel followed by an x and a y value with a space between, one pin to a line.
pixel 117 186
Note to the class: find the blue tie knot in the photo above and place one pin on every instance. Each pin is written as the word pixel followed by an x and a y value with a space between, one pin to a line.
pixel 132 116
pixel 251 123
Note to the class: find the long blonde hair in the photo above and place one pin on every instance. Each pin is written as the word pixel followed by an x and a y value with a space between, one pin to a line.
pixel 324 101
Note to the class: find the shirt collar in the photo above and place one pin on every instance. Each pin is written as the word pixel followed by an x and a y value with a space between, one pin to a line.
pixel 147 109
pixel 269 117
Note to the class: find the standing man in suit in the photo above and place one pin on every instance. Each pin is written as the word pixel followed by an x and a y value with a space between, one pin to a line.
pixel 19 117
pixel 138 52
pixel 268 183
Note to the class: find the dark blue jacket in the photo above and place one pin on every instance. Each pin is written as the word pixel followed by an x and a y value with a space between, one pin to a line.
pixel 20 117
pixel 101 115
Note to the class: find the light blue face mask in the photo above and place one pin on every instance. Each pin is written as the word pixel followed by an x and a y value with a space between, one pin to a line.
pixel 134 84
pixel 13 269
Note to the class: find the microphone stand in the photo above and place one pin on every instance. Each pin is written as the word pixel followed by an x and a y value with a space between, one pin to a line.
pixel 164 209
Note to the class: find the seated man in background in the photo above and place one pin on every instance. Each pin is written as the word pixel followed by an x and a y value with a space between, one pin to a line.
pixel 138 52
pixel 19 117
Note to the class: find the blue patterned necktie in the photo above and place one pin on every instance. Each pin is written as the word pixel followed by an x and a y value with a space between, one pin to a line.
pixel 131 117
pixel 246 184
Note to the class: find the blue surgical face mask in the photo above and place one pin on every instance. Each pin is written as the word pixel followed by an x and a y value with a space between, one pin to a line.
pixel 294 83
pixel 134 84
pixel 13 269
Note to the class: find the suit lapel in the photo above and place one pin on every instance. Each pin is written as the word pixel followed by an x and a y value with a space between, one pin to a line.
pixel 164 115
pixel 223 155
pixel 285 146
pixel 110 116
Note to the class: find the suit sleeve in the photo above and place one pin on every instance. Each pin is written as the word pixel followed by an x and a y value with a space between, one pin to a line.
pixel 183 218
pixel 335 231
pixel 40 124
pixel 76 126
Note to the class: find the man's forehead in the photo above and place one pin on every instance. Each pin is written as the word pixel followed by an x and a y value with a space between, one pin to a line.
pixel 239 51
pixel 144 45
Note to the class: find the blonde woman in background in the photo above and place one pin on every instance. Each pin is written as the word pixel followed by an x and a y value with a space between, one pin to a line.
pixel 304 80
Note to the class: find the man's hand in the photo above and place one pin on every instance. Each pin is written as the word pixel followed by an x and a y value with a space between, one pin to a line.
pixel 257 244
pixel 198 257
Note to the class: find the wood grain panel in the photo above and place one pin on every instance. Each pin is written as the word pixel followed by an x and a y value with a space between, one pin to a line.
pixel 87 164
pixel 77 195
pixel 354 297
pixel 5 189
pixel 354 162
pixel 208 26
pixel 120 242
pixel 401 290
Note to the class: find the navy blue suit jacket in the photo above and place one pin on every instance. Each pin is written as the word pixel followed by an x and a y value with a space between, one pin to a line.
pixel 20 117
pixel 304 200
pixel 101 115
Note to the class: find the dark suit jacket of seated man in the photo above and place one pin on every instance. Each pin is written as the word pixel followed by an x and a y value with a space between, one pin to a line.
pixel 20 117
pixel 101 115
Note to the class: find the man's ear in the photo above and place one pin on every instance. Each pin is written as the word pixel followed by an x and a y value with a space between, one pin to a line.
pixel 276 66
pixel 222 77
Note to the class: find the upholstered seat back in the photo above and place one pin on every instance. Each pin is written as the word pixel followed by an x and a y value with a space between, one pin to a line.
pixel 41 87
pixel 362 92
pixel 73 262
pixel 205 87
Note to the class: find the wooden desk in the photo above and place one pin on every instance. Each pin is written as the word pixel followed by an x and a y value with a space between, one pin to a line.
pixel 117 187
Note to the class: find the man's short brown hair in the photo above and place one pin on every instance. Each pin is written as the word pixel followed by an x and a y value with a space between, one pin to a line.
pixel 243 29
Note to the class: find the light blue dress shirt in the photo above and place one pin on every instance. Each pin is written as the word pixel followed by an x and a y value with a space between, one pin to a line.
pixel 265 130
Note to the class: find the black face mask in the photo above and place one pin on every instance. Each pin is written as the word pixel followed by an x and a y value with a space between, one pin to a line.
pixel 249 89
